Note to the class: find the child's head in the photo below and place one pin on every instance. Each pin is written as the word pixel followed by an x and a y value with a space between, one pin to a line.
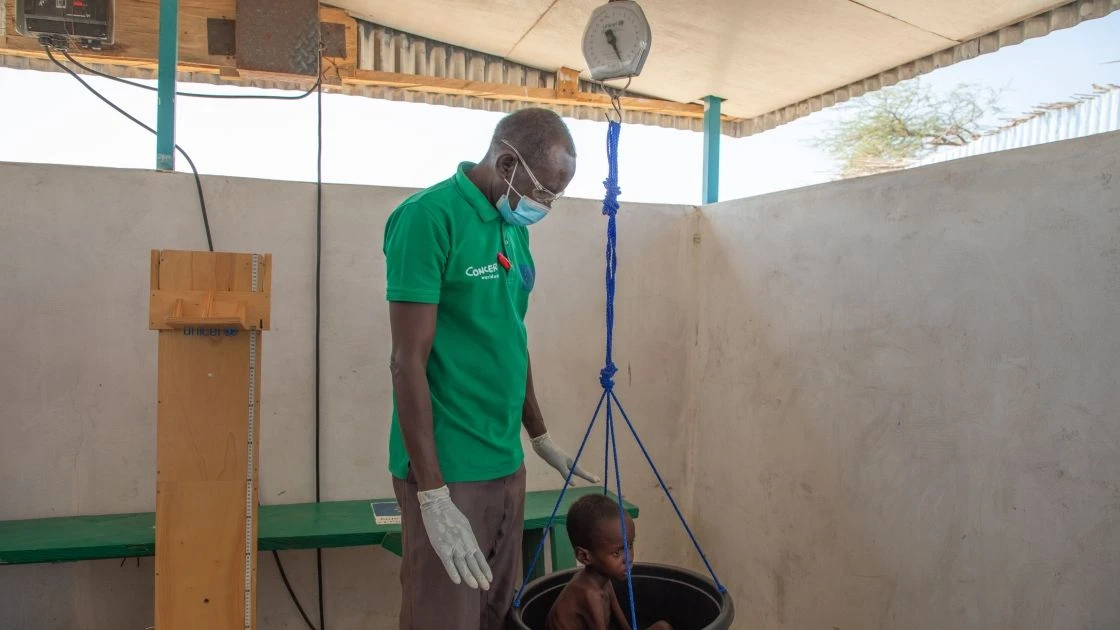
pixel 596 535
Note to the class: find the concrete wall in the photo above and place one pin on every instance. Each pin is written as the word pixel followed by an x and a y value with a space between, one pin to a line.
pixel 77 381
pixel 884 403
pixel 909 397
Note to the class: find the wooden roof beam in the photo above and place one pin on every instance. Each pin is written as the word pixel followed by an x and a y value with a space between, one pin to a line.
pixel 137 47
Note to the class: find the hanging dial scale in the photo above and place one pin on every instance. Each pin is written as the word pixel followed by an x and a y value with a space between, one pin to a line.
pixel 616 41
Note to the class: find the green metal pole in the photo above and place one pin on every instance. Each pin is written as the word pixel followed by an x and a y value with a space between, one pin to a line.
pixel 168 65
pixel 711 148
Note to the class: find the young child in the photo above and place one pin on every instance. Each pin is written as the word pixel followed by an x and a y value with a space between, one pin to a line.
pixel 589 602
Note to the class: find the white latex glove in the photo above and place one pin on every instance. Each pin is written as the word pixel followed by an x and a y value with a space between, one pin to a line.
pixel 453 539
pixel 547 450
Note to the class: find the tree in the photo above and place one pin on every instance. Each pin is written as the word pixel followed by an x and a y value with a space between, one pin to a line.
pixel 889 128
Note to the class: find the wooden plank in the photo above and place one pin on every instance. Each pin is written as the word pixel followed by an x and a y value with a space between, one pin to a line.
pixel 224 307
pixel 137 46
pixel 202 439
pixel 203 392
pixel 502 91
pixel 199 542
pixel 291 526
pixel 201 460
pixel 256 475
pixel 242 273
pixel 567 83
pixel 153 282
pixel 137 32
pixel 202 272
pixel 137 35
pixel 265 283
pixel 208 289
pixel 344 66
pixel 223 272
pixel 175 270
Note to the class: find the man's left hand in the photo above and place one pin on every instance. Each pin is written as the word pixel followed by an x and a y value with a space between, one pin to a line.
pixel 560 460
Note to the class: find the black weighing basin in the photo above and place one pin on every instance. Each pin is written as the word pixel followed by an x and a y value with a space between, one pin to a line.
pixel 683 598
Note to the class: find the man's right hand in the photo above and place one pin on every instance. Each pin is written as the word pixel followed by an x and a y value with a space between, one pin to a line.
pixel 453 539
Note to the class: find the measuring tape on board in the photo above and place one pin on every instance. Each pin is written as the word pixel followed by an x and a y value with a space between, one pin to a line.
pixel 250 462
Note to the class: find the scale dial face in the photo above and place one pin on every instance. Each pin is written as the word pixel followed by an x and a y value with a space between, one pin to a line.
pixel 617 41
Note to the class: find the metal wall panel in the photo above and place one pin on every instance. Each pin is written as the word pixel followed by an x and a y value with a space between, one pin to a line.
pixel 1085 115
pixel 387 50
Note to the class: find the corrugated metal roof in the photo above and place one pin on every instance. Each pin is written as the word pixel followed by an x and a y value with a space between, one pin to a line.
pixel 388 50
pixel 1084 115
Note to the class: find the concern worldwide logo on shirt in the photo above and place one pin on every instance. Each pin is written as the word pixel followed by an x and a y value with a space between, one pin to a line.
pixel 485 272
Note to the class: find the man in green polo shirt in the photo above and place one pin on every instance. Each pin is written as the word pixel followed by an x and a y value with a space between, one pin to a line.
pixel 459 274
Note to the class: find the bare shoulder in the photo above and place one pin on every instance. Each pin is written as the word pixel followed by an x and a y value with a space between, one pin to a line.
pixel 583 587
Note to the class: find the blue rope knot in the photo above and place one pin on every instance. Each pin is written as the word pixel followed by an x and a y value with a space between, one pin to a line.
pixel 610 199
pixel 606 376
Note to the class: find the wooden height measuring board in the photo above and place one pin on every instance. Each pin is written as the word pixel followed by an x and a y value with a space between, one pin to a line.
pixel 209 309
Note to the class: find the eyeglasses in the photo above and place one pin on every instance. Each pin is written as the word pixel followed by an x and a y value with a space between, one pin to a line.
pixel 540 193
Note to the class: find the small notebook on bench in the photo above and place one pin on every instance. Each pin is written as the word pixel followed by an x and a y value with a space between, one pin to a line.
pixel 386 512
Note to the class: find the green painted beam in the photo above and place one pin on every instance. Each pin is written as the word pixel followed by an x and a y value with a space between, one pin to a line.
pixel 292 526
pixel 168 66
pixel 77 538
pixel 712 128
pixel 529 543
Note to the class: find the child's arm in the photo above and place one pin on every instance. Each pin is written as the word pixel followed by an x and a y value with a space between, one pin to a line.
pixel 621 617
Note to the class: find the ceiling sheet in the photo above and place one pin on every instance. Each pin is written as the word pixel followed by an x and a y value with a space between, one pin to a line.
pixel 758 55
pixel 961 19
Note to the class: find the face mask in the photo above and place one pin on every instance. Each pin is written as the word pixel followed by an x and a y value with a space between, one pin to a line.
pixel 527 212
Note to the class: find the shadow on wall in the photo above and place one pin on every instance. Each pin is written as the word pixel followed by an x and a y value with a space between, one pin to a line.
pixel 911 383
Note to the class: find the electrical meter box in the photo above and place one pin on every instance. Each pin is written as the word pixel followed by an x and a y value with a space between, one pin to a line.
pixel 89 22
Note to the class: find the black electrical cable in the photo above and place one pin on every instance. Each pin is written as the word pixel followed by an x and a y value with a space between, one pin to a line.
pixel 318 282
pixel 318 89
pixel 195 94
pixel 210 244
pixel 197 179
pixel 318 320
pixel 288 585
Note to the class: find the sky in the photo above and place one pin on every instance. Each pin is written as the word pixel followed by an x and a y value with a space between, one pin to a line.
pixel 53 119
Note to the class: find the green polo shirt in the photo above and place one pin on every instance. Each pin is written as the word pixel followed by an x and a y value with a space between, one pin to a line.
pixel 444 245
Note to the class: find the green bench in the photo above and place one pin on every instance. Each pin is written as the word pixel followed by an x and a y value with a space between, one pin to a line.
pixel 295 526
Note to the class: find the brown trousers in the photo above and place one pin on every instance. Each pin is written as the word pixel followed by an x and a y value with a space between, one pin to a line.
pixel 429 600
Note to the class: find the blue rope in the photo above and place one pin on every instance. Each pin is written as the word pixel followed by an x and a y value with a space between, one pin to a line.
pixel 666 490
pixel 622 513
pixel 610 209
pixel 606 379
pixel 606 375
pixel 607 460
pixel 559 499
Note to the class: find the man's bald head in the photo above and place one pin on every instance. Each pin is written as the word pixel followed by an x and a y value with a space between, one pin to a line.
pixel 534 132
pixel 532 140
